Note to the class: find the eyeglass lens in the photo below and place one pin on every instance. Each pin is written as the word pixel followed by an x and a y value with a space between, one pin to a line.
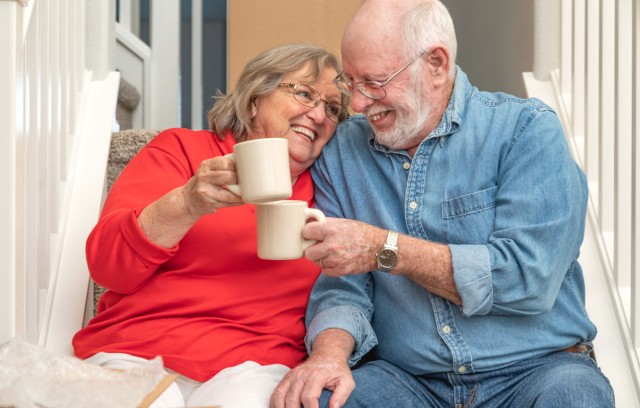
pixel 372 89
pixel 308 96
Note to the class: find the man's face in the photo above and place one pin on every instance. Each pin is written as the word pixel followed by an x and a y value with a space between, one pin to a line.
pixel 411 112
pixel 399 117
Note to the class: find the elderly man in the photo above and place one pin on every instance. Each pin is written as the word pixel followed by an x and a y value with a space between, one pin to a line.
pixel 451 257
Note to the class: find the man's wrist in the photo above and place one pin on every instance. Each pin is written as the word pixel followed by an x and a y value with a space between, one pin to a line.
pixel 333 344
pixel 387 255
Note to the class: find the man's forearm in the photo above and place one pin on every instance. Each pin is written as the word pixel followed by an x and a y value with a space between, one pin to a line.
pixel 333 344
pixel 429 265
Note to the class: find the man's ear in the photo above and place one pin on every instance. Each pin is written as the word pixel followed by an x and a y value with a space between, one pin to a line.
pixel 439 62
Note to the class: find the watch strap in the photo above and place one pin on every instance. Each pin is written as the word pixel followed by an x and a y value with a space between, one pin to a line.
pixel 387 256
pixel 392 239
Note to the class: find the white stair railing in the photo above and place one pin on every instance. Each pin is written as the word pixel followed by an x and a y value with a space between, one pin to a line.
pixel 593 82
pixel 55 122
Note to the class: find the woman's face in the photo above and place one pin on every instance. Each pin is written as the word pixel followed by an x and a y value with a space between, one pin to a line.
pixel 307 129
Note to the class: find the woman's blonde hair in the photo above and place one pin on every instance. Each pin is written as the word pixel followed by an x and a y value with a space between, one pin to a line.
pixel 262 75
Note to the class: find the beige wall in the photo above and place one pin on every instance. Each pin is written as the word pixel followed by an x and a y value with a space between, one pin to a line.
pixel 255 25
pixel 495 42
pixel 495 38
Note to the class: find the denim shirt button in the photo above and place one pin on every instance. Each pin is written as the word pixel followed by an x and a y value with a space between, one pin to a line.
pixel 406 165
pixel 413 205
pixel 446 329
pixel 462 369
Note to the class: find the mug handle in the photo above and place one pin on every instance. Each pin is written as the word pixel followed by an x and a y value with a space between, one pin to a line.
pixel 312 213
pixel 234 188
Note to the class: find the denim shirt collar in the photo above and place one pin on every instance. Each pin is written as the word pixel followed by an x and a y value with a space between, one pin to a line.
pixel 452 117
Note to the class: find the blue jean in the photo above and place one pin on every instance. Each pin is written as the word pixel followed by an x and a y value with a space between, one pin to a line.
pixel 557 380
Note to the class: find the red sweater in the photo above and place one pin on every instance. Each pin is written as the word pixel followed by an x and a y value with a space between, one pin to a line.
pixel 209 302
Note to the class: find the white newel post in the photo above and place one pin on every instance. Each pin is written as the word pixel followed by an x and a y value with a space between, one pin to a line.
pixel 165 67
pixel 100 37
pixel 10 39
pixel 546 31
pixel 196 64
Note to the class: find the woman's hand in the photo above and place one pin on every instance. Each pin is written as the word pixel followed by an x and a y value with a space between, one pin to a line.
pixel 205 192
pixel 168 219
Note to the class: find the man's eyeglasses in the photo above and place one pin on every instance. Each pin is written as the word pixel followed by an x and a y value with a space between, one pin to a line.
pixel 309 97
pixel 371 89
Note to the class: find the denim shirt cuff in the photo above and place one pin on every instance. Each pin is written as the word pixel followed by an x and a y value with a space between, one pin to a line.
pixel 472 276
pixel 349 319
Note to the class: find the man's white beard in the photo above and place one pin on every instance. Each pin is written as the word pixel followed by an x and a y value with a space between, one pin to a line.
pixel 411 119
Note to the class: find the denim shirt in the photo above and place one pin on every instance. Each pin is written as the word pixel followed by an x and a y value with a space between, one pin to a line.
pixel 495 181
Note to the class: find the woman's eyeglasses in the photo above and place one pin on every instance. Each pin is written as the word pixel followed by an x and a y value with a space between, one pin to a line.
pixel 307 96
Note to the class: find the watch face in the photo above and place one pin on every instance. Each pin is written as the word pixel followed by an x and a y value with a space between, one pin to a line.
pixel 387 258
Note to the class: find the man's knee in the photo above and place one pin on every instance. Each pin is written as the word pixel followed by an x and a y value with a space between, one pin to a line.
pixel 380 383
pixel 575 385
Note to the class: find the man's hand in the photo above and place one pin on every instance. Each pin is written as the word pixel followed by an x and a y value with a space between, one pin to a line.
pixel 326 368
pixel 348 247
pixel 302 385
pixel 345 247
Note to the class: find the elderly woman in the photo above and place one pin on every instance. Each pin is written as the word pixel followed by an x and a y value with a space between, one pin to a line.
pixel 177 250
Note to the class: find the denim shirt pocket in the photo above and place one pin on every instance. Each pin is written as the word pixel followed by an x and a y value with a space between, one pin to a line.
pixel 470 218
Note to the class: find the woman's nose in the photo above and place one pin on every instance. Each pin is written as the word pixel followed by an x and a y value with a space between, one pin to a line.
pixel 318 113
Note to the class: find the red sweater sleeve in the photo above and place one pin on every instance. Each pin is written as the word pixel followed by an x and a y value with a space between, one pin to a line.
pixel 119 255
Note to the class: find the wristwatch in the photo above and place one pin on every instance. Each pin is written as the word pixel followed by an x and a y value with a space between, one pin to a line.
pixel 387 256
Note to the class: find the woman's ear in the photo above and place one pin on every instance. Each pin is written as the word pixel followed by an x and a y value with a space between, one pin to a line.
pixel 254 107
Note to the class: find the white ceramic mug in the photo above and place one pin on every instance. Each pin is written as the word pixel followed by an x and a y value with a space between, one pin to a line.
pixel 262 166
pixel 280 226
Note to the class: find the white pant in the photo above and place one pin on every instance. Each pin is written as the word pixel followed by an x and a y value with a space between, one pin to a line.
pixel 247 385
